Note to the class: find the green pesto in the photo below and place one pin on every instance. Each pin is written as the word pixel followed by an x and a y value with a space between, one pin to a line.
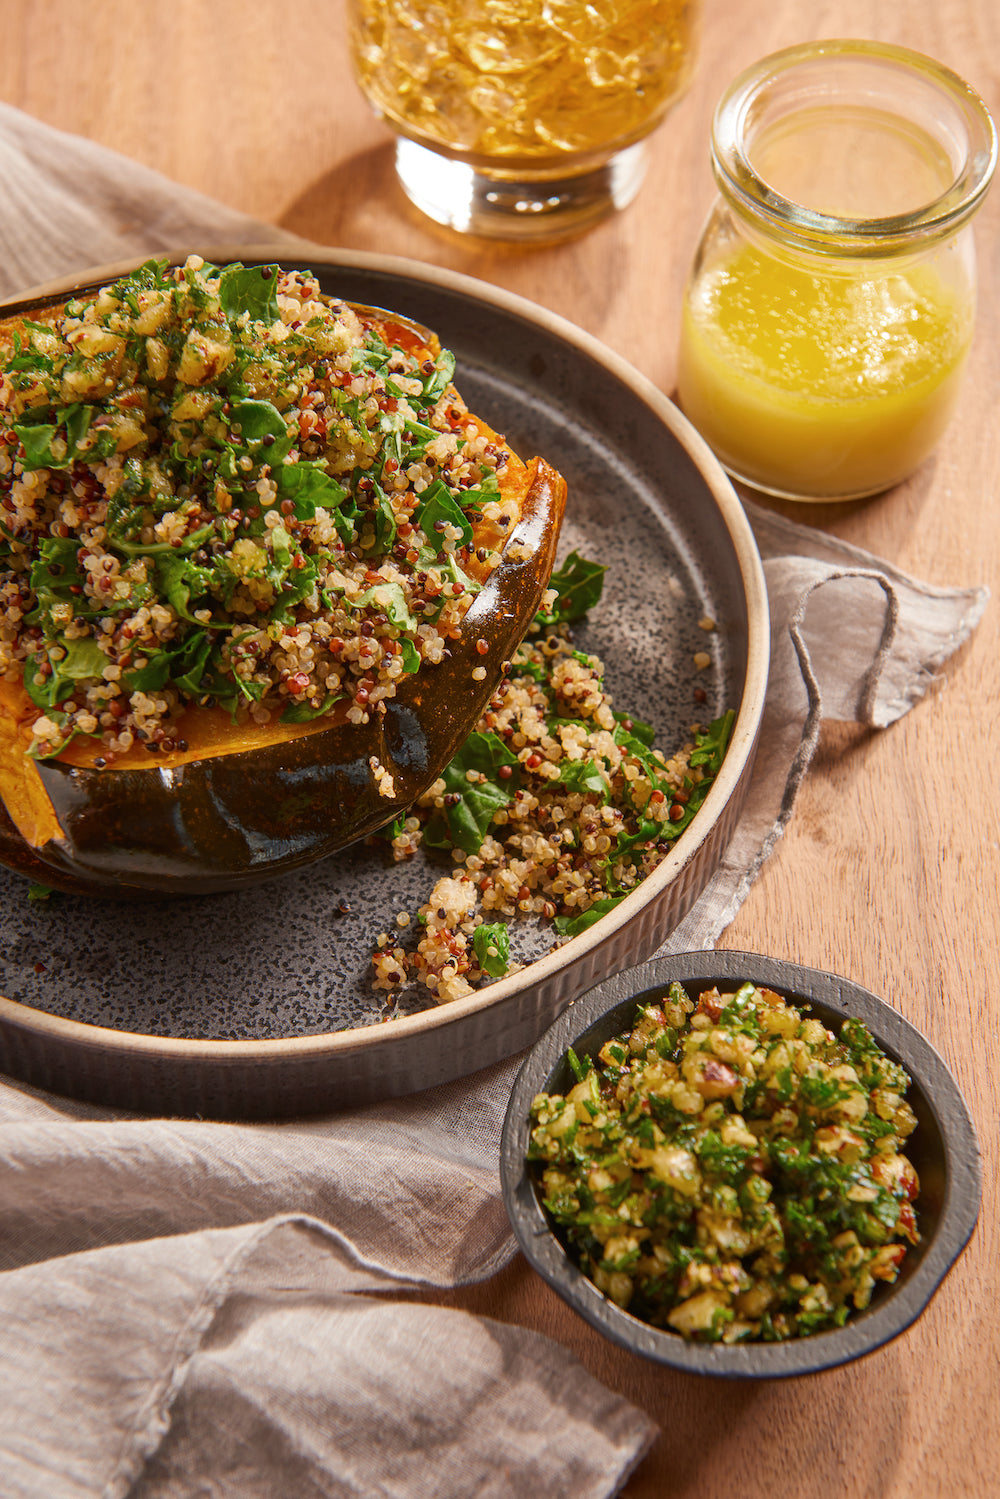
pixel 732 1170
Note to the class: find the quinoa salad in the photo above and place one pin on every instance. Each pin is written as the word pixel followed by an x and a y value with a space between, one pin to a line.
pixel 730 1169
pixel 557 806
pixel 220 487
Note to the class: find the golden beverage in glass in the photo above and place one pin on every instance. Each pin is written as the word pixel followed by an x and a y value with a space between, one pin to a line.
pixel 522 119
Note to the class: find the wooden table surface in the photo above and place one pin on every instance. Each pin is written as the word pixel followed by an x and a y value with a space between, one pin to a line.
pixel 888 871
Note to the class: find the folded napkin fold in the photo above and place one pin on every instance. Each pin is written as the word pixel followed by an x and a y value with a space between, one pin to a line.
pixel 853 640
pixel 193 1307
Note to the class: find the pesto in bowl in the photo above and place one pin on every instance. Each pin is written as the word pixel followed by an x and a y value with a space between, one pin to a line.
pixel 730 1168
pixel 738 1198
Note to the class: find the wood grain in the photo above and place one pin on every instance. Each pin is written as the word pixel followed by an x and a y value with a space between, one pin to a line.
pixel 888 871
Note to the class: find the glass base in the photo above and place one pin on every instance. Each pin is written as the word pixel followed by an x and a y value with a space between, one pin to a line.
pixel 524 209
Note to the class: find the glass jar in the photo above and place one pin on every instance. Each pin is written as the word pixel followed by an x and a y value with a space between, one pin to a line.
pixel 524 120
pixel 830 306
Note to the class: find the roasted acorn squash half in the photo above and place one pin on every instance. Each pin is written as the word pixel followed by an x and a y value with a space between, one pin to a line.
pixel 261 572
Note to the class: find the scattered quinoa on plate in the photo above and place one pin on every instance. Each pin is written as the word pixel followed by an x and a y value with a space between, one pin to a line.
pixel 557 806
pixel 730 1169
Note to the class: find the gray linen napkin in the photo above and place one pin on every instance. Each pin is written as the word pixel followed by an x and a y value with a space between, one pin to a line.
pixel 180 1300
pixel 853 640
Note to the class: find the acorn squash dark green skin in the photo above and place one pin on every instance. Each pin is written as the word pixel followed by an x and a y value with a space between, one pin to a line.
pixel 234 819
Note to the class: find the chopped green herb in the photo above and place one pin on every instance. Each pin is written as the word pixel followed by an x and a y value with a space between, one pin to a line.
pixel 491 944
pixel 578 584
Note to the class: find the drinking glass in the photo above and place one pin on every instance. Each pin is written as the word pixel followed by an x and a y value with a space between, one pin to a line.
pixel 522 119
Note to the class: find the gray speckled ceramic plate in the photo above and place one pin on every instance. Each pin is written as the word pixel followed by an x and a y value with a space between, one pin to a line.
pixel 259 1003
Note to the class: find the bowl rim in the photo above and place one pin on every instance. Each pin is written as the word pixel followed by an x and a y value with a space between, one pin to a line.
pixel 868 1330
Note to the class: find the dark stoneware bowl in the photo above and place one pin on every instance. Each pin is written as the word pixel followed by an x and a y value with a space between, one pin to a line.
pixel 943 1149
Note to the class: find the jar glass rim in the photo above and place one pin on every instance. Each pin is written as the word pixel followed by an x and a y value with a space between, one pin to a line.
pixel 740 107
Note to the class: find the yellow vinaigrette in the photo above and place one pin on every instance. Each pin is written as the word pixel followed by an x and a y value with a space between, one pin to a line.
pixel 831 385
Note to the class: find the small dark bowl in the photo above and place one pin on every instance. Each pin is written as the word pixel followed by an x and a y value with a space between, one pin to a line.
pixel 943 1149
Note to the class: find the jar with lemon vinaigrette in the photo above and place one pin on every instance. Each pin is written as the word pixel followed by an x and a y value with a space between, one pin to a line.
pixel 831 303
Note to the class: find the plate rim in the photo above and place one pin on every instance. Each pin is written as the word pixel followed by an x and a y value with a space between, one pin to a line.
pixel 18 1015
